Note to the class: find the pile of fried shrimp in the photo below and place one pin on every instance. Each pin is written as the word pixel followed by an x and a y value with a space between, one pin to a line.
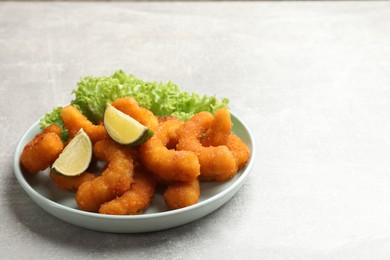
pixel 177 157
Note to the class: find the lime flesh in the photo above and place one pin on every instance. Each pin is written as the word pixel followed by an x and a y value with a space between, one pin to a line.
pixel 76 156
pixel 124 129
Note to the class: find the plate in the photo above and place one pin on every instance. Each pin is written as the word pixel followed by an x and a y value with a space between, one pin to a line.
pixel 62 204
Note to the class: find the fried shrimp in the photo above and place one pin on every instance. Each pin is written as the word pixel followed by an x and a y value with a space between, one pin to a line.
pixel 167 118
pixel 130 107
pixel 136 199
pixel 53 128
pixel 182 194
pixel 74 120
pixel 71 183
pixel 216 162
pixel 220 129
pixel 115 179
pixel 239 149
pixel 168 165
pixel 41 152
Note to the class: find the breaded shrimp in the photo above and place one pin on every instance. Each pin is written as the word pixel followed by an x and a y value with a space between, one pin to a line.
pixel 53 128
pixel 220 129
pixel 74 120
pixel 130 107
pixel 182 194
pixel 167 118
pixel 71 183
pixel 41 152
pixel 239 149
pixel 216 162
pixel 168 165
pixel 115 179
pixel 136 199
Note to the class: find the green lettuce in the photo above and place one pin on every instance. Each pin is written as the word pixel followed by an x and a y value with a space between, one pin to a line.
pixel 93 93
pixel 55 118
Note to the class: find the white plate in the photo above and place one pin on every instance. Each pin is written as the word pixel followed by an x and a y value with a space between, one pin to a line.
pixel 62 205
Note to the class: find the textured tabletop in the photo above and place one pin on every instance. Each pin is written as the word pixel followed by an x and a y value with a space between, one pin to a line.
pixel 310 79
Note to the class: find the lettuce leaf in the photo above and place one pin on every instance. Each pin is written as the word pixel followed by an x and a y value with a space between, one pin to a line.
pixel 55 118
pixel 93 93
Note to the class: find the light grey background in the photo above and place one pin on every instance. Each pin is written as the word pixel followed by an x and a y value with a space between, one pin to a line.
pixel 310 79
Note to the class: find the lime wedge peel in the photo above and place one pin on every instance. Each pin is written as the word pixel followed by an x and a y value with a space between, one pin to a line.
pixel 124 129
pixel 76 156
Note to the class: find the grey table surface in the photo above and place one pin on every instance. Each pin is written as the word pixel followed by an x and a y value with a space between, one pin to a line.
pixel 310 79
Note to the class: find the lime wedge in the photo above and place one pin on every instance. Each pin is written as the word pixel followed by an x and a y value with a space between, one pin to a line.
pixel 124 129
pixel 76 156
